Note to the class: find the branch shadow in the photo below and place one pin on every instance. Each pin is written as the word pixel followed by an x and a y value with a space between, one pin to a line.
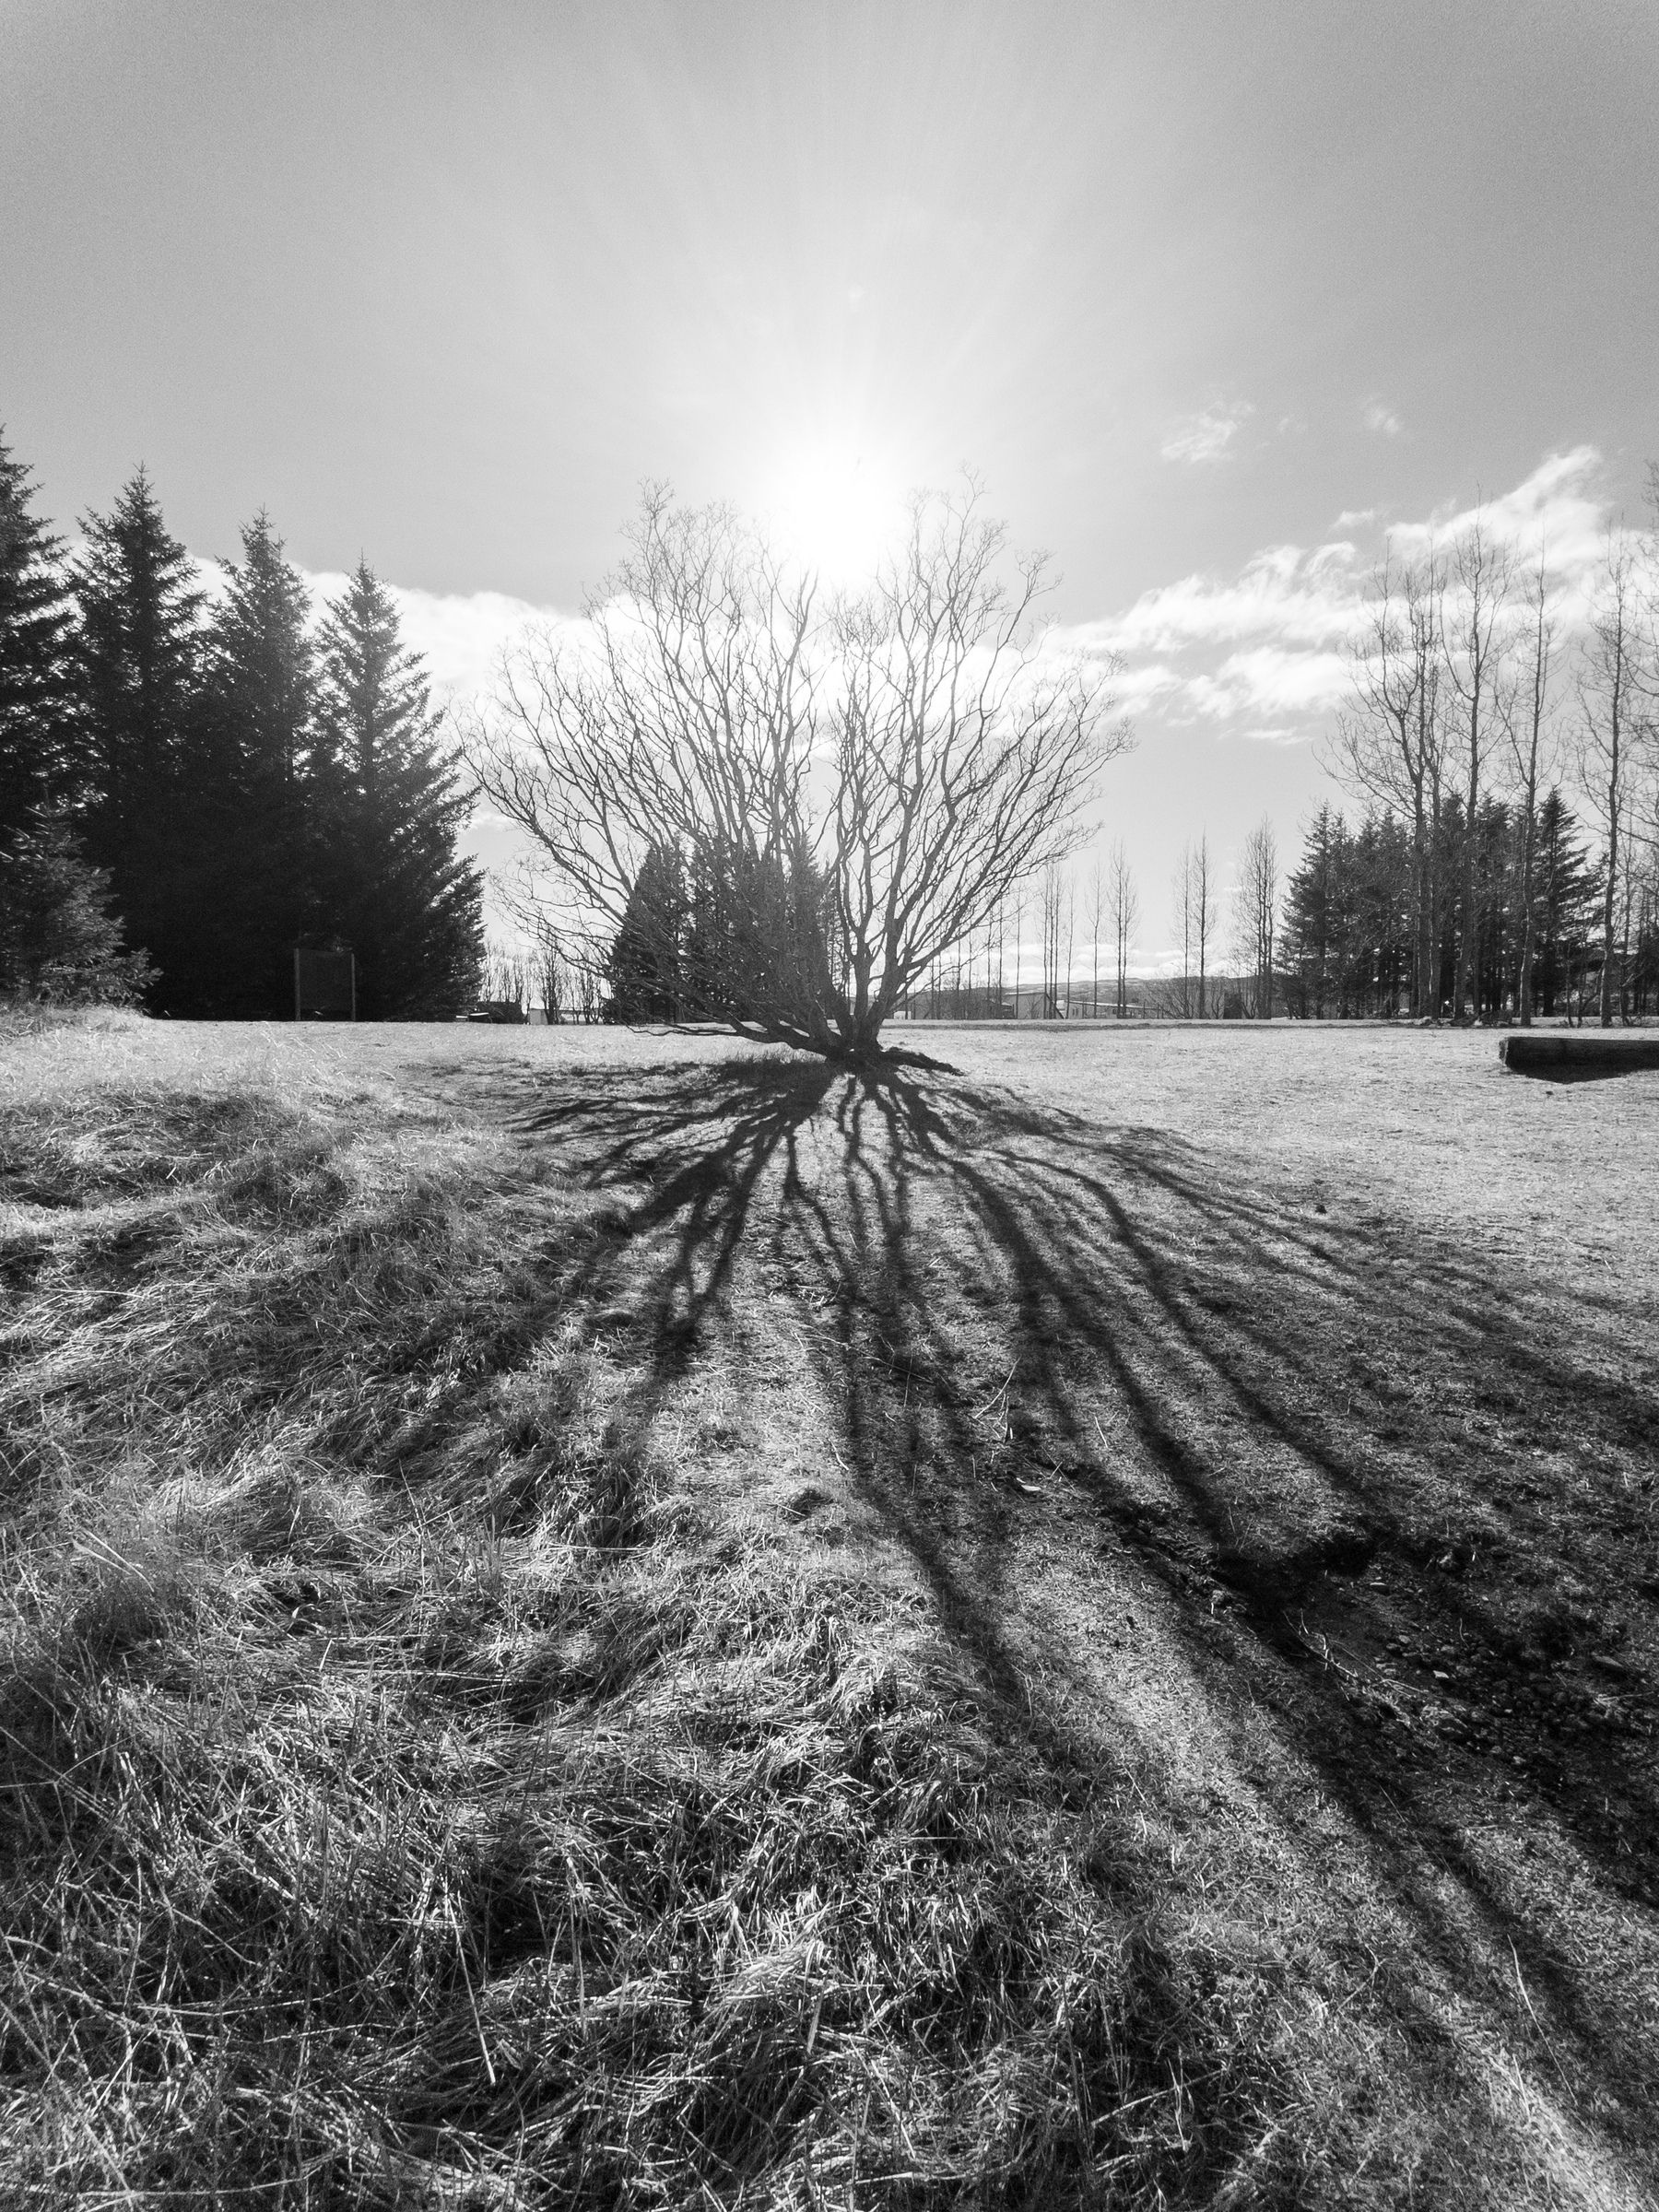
pixel 1299 1429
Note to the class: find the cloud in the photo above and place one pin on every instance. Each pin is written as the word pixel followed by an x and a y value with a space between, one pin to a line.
pixel 1257 655
pixel 1261 654
pixel 1206 437
pixel 1282 591
pixel 1561 510
pixel 1380 417
pixel 458 634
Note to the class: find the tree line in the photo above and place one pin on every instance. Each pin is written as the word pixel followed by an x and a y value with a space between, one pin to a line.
pixel 219 777
pixel 1348 945
pixel 1503 744
pixel 1474 696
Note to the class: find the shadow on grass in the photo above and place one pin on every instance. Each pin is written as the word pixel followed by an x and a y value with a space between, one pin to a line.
pixel 1309 1432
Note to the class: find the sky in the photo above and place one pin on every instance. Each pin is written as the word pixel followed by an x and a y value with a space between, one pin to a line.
pixel 1210 296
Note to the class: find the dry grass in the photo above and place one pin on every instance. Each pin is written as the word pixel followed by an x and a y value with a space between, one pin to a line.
pixel 565 1612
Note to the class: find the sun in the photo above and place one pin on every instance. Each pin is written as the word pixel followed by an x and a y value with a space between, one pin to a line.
pixel 836 505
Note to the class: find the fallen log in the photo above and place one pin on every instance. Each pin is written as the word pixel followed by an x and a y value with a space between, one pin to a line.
pixel 1563 1054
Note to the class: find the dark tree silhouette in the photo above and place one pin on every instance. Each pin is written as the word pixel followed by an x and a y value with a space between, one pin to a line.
pixel 248 765
pixel 384 875
pixel 36 756
pixel 136 663
pixel 137 654
pixel 647 960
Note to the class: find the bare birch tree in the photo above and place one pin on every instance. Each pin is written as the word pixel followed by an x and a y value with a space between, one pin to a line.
pixel 1057 896
pixel 1182 886
pixel 1096 916
pixel 1474 637
pixel 1527 707
pixel 1389 746
pixel 1255 912
pixel 1206 909
pixel 846 792
pixel 1123 899
pixel 1609 693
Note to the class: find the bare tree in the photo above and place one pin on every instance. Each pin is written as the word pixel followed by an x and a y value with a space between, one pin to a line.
pixel 1527 708
pixel 1181 888
pixel 847 791
pixel 506 977
pixel 1255 912
pixel 547 977
pixel 1207 909
pixel 1608 712
pixel 1059 916
pixel 1095 914
pixel 1071 937
pixel 1474 638
pixel 1390 742
pixel 1123 899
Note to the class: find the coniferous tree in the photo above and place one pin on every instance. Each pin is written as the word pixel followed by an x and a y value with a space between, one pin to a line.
pixel 135 662
pixel 1567 885
pixel 1312 923
pixel 383 875
pixel 248 769
pixel 36 752
pixel 646 966
pixel 58 942
pixel 137 651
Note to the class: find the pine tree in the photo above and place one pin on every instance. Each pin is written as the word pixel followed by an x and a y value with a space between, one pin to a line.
pixel 644 970
pixel 135 663
pixel 36 756
pixel 1312 913
pixel 1567 885
pixel 384 873
pixel 136 654
pixel 59 943
pixel 246 768
pixel 755 939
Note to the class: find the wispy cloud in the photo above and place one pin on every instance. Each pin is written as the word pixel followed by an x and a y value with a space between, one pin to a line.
pixel 1208 435
pixel 1561 509
pixel 1380 417
pixel 1261 654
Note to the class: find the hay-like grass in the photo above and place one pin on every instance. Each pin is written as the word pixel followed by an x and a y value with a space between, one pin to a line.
pixel 423 1782
pixel 409 1796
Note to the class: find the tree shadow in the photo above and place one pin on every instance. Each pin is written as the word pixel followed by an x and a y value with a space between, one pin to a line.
pixel 1046 1339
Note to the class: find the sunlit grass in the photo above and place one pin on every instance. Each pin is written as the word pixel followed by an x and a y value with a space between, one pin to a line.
pixel 495 1712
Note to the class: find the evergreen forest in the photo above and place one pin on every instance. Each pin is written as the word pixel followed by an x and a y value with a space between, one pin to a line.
pixel 194 784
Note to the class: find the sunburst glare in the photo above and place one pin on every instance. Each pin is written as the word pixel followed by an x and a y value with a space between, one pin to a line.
pixel 837 504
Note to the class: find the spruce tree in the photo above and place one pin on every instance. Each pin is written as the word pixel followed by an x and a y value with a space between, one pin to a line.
pixel 1567 884
pixel 248 761
pixel 36 754
pixel 58 942
pixel 387 805
pixel 1311 929
pixel 135 662
pixel 644 967
pixel 136 657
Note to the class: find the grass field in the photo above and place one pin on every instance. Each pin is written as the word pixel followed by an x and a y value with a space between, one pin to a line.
pixel 609 1619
